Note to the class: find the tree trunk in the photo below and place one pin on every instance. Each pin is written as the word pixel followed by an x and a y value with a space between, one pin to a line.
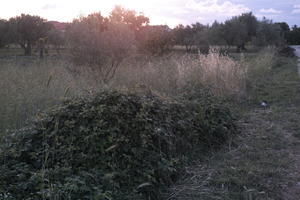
pixel 241 47
pixel 41 53
pixel 28 49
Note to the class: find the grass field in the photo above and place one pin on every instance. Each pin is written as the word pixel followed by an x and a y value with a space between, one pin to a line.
pixel 30 85
pixel 260 163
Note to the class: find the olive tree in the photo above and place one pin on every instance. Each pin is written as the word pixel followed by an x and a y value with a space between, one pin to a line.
pixel 26 30
pixel 131 18
pixel 216 34
pixel 235 33
pixel 269 33
pixel 240 29
pixel 100 44
pixel 184 35
pixel 56 38
pixel 155 39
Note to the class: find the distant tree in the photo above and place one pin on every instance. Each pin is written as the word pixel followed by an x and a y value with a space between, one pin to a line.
pixel 236 33
pixel 240 29
pixel 184 36
pixel 134 20
pixel 41 46
pixel 216 34
pixel 294 36
pixel 155 39
pixel 179 34
pixel 4 36
pixel 251 23
pixel 198 27
pixel 269 33
pixel 285 29
pixel 26 30
pixel 200 37
pixel 100 44
pixel 56 38
pixel 84 36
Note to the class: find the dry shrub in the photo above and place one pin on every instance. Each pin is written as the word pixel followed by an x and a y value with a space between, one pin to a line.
pixel 223 74
pixel 155 73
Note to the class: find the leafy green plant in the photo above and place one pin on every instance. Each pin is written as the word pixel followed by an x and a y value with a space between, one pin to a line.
pixel 111 146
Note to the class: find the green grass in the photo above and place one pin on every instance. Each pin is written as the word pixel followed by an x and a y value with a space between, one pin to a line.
pixel 281 86
pixel 17 51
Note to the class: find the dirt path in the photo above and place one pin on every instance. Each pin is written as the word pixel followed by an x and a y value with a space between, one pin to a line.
pixel 293 191
pixel 291 131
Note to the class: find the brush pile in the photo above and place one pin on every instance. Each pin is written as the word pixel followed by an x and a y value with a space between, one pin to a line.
pixel 111 146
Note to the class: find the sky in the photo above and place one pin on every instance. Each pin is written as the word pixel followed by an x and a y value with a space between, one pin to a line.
pixel 167 12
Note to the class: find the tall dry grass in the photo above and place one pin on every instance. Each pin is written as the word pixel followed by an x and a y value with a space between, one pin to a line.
pixel 27 87
pixel 170 74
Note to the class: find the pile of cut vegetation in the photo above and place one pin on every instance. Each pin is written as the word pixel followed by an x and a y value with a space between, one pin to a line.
pixel 111 146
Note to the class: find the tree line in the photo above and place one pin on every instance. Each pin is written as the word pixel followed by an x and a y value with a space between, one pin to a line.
pixel 134 29
pixel 293 35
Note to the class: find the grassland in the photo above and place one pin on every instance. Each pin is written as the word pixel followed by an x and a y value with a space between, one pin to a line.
pixel 259 163
pixel 29 85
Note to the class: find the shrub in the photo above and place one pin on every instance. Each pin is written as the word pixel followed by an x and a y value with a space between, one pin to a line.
pixel 112 146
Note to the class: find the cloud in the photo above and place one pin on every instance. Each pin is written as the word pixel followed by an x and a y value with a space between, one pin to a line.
pixel 270 11
pixel 49 6
pixel 171 12
pixel 215 7
pixel 174 12
pixel 297 6
pixel 296 9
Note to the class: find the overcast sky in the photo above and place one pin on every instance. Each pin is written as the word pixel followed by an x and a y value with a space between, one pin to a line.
pixel 170 12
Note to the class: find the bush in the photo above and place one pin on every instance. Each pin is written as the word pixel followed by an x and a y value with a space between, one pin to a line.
pixel 112 146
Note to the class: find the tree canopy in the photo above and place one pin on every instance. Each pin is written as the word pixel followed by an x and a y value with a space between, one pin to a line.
pixel 4 39
pixel 25 30
pixel 129 17
pixel 87 32
pixel 100 43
